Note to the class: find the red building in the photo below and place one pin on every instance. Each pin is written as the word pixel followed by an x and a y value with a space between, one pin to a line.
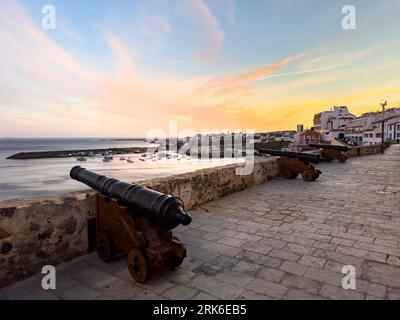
pixel 303 139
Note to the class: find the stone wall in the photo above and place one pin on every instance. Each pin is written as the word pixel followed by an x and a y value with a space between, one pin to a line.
pixel 37 232
pixel 366 150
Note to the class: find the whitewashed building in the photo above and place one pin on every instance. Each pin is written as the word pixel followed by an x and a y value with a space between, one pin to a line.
pixel 332 124
pixel 393 128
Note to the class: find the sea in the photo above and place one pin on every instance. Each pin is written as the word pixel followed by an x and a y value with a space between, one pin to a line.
pixel 47 177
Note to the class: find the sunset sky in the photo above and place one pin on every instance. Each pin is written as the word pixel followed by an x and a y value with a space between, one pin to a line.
pixel 121 68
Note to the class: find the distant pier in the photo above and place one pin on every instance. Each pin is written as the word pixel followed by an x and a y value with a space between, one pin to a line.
pixel 75 153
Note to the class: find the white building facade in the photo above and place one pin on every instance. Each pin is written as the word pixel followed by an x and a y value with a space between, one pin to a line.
pixel 332 124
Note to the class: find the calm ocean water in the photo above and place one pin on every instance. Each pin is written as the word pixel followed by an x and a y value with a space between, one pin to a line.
pixel 43 177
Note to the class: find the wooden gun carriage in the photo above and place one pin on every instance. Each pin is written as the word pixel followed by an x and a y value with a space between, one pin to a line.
pixel 330 152
pixel 134 220
pixel 294 163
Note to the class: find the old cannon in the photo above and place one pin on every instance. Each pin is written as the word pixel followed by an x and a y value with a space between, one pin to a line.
pixel 134 220
pixel 295 163
pixel 331 151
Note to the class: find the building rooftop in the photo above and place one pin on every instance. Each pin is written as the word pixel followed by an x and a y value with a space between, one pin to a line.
pixel 284 239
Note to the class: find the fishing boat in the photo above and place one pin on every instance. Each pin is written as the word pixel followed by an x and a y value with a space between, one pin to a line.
pixel 80 158
pixel 130 161
pixel 122 159
pixel 107 158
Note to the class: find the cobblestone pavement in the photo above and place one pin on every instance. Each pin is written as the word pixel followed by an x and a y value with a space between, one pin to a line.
pixel 285 239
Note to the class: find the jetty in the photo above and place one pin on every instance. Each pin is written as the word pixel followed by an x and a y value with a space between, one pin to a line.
pixel 74 153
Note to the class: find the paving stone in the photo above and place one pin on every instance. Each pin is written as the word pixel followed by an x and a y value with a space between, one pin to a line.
pixel 252 295
pixel 148 295
pixel 234 278
pixel 261 259
pixel 293 267
pixel 94 277
pixel 270 242
pixel 373 289
pixel 302 283
pixel 268 288
pixel 393 294
pixel 296 294
pixel 312 261
pixel 246 267
pixel 121 289
pixel 216 287
pixel 299 248
pixel 179 292
pixel 285 255
pixel 324 276
pixel 369 255
pixel 233 242
pixel 204 296
pixel 203 254
pixel 382 273
pixel 220 249
pixel 270 274
pixel 393 260
pixel 40 294
pixel 338 293
pixel 21 288
pixel 80 292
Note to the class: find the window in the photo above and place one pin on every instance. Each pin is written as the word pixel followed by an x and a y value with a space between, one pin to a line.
pixel 398 134
pixel 398 127
pixel 378 135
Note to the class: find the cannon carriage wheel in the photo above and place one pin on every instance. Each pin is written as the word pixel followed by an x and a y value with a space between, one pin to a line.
pixel 310 174
pixel 138 265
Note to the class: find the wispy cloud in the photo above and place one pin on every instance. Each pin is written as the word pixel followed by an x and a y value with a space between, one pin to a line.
pixel 205 26
pixel 155 26
pixel 69 32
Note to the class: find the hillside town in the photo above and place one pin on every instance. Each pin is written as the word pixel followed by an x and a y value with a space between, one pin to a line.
pixel 340 126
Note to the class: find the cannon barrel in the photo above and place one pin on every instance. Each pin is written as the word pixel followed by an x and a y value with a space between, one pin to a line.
pixel 330 146
pixel 164 210
pixel 308 157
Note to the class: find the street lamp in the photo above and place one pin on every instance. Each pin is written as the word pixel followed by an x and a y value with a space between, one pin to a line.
pixel 383 104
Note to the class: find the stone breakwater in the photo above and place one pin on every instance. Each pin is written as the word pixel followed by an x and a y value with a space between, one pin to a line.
pixel 37 232
pixel 74 153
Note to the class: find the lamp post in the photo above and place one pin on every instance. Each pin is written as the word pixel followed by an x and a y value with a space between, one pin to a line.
pixel 383 104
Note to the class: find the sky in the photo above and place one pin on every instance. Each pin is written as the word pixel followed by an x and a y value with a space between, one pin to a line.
pixel 122 68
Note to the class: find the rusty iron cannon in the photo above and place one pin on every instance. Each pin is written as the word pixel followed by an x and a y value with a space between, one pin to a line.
pixel 330 152
pixel 137 221
pixel 295 163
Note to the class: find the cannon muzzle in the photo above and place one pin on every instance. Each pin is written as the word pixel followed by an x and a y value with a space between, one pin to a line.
pixel 164 210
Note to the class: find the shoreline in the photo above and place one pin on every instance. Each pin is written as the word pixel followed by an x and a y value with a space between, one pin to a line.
pixel 74 153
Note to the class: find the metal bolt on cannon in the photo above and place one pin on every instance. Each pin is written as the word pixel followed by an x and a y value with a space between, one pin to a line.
pixel 137 221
